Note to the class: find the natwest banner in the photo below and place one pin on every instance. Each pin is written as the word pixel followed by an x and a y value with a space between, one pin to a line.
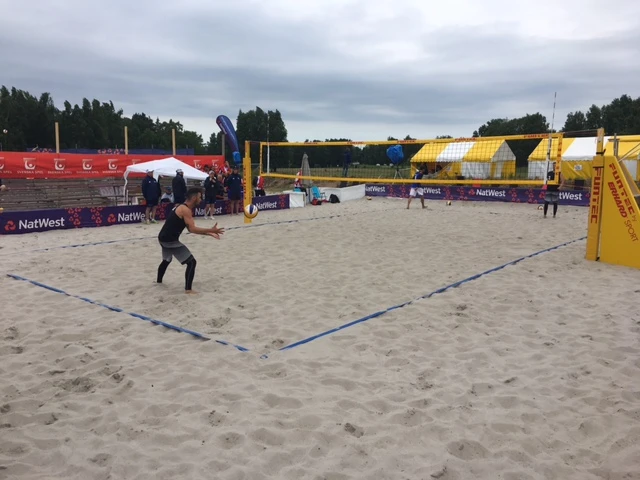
pixel 74 165
pixel 452 192
pixel 61 219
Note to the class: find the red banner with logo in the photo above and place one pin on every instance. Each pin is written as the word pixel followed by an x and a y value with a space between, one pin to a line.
pixel 74 165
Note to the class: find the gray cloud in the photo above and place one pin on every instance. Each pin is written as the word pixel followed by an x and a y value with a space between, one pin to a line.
pixel 345 69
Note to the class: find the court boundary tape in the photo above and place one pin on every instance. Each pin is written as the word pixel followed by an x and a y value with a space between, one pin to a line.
pixel 132 314
pixel 428 295
pixel 123 240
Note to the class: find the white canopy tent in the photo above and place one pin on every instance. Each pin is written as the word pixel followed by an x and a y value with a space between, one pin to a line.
pixel 165 167
pixel 581 149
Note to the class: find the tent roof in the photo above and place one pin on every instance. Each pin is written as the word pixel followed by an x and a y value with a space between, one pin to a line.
pixel 540 152
pixel 490 150
pixel 166 167
pixel 442 152
pixel 478 151
pixel 583 148
pixel 429 152
pixel 455 151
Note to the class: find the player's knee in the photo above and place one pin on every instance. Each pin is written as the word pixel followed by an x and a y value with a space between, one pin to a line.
pixel 191 261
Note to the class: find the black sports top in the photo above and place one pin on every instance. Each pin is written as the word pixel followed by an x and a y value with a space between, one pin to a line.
pixel 172 228
pixel 552 187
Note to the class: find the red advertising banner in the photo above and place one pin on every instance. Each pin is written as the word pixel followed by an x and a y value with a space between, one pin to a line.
pixel 73 165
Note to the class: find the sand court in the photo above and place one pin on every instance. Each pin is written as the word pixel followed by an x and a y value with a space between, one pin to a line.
pixel 263 284
pixel 529 371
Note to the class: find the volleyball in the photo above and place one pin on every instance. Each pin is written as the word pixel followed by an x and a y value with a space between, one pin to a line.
pixel 5 131
pixel 250 211
pixel 448 202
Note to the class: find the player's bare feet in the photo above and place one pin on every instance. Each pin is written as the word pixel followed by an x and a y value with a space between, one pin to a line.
pixel 190 292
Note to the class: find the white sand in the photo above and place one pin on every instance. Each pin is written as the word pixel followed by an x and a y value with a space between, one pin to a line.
pixel 531 372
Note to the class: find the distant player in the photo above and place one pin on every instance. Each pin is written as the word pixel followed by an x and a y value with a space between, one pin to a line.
pixel 169 237
pixel 552 194
pixel 416 188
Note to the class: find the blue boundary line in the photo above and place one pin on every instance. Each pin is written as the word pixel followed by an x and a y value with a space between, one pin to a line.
pixel 122 240
pixel 428 295
pixel 120 310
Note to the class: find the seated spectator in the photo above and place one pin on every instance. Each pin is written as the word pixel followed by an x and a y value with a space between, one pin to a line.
pixel 167 196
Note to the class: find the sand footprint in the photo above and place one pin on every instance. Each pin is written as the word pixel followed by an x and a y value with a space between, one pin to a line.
pixel 275 401
pixel 467 450
pixel 101 459
pixel 230 440
pixel 10 333
pixel 215 418
pixel 346 384
pixel 353 430
pixel 11 350
pixel 268 437
pixel 77 385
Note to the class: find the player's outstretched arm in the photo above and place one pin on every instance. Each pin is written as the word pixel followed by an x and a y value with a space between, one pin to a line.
pixel 187 216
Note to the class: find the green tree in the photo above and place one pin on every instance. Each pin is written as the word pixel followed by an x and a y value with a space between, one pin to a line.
pixel 621 116
pixel 30 121
pixel 214 145
pixel 529 124
pixel 576 121
pixel 259 126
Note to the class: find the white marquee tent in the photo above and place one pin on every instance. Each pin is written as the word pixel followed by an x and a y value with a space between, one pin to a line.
pixel 165 167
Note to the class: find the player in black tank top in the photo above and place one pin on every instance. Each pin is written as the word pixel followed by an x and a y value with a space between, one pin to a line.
pixel 173 227
pixel 552 195
pixel 181 217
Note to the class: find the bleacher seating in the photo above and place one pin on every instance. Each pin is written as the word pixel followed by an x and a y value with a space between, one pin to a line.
pixel 44 194
pixel 55 193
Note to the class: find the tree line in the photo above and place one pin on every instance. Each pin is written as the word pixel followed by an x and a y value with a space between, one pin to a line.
pixel 27 122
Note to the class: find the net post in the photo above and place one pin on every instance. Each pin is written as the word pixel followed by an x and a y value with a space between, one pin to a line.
pixel 248 184
pixel 260 157
pixel 57 129
pixel 595 202
pixel 558 169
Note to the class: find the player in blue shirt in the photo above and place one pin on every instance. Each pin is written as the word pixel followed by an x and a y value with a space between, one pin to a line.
pixel 416 188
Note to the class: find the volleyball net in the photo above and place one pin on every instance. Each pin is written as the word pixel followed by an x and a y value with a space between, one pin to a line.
pixel 508 160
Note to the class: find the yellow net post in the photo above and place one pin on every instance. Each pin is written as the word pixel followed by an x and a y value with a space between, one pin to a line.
pixel 595 202
pixel 614 213
pixel 246 175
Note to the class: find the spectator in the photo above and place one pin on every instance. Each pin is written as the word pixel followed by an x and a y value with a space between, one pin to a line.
pixel 151 193
pixel 210 194
pixel 167 196
pixel 346 162
pixel 259 186
pixel 179 187
pixel 297 184
pixel 234 186
pixel 219 187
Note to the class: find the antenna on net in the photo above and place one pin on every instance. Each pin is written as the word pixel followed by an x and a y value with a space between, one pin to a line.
pixel 268 150
pixel 553 117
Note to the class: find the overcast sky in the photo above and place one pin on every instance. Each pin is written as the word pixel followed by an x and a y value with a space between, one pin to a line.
pixel 361 69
